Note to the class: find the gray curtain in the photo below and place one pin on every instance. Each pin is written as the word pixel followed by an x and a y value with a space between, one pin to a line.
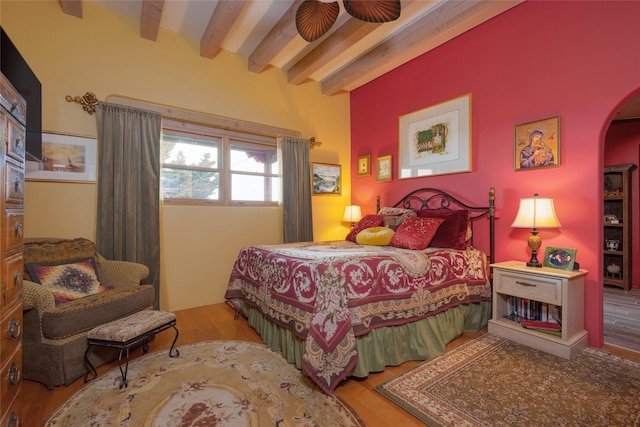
pixel 128 222
pixel 296 189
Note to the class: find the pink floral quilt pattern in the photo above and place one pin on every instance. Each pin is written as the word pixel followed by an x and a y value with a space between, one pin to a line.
pixel 328 293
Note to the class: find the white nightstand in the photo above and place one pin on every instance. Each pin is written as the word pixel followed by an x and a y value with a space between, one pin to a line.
pixel 553 289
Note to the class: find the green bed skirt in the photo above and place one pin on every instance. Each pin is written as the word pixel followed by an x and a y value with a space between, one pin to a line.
pixel 388 346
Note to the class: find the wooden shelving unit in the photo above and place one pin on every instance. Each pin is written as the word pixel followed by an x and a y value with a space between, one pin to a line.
pixel 617 226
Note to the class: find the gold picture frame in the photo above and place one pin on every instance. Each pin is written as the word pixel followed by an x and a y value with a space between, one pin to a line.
pixel 537 144
pixel 383 169
pixel 327 178
pixel 364 165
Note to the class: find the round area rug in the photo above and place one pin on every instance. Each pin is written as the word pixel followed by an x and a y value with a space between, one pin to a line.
pixel 211 383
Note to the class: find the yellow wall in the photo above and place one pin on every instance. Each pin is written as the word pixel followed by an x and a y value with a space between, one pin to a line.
pixel 103 53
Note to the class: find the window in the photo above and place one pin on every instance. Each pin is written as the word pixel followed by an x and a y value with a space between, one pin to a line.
pixel 205 165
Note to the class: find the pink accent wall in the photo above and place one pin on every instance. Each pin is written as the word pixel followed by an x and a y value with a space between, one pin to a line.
pixel 575 60
pixel 622 146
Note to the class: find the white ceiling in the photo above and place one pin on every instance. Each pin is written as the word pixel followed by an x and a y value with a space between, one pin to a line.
pixel 353 61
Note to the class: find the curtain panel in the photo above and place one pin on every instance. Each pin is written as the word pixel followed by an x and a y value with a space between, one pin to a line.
pixel 128 212
pixel 296 189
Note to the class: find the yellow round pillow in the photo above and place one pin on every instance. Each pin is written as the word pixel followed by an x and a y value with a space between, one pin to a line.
pixel 375 236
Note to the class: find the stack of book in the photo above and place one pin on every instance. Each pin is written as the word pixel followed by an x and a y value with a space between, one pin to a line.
pixel 539 325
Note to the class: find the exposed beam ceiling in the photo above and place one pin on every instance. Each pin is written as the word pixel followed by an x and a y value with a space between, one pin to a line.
pixel 350 55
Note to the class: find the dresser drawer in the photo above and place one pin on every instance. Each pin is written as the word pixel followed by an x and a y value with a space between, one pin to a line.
pixel 13 229
pixel 11 378
pixel 10 332
pixel 12 101
pixel 11 278
pixel 12 417
pixel 14 184
pixel 539 288
pixel 16 140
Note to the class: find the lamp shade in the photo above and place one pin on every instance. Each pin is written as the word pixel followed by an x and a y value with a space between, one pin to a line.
pixel 352 213
pixel 536 212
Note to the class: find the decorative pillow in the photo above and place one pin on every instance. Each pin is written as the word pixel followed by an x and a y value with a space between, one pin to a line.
pixel 393 217
pixel 375 236
pixel 455 229
pixel 69 281
pixel 415 233
pixel 366 222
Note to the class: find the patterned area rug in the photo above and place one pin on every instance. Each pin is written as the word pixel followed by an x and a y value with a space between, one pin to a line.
pixel 495 382
pixel 212 383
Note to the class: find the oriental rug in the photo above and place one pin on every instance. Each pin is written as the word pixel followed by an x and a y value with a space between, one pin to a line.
pixel 211 383
pixel 491 381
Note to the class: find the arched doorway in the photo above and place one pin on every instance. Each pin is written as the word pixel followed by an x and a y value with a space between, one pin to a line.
pixel 621 309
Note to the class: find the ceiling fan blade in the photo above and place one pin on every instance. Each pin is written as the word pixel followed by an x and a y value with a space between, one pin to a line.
pixel 373 10
pixel 314 18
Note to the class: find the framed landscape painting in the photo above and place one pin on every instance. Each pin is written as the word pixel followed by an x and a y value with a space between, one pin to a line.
pixel 327 178
pixel 64 158
pixel 436 140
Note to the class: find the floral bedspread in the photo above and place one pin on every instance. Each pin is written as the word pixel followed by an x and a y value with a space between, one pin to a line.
pixel 328 293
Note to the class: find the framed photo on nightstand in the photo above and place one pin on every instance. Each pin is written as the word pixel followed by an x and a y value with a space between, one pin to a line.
pixel 561 258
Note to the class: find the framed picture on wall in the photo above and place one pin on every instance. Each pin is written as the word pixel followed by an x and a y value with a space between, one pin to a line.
pixel 436 140
pixel 327 178
pixel 64 158
pixel 364 165
pixel 537 144
pixel 383 169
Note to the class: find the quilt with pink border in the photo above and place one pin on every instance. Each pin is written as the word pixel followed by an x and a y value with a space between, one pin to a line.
pixel 328 293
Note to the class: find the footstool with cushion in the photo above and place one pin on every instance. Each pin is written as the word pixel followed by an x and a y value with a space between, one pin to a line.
pixel 130 332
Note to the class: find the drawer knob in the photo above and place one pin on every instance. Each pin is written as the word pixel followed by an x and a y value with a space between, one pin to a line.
pixel 18 229
pixel 17 185
pixel 14 376
pixel 532 285
pixel 13 421
pixel 19 142
pixel 14 328
pixel 17 278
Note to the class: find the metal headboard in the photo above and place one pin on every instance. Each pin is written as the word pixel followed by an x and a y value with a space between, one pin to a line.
pixel 433 198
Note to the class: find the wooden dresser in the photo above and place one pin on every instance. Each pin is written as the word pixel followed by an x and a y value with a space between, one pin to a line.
pixel 12 117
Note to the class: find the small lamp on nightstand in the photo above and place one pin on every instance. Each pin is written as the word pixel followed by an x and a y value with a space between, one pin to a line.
pixel 534 213
pixel 352 214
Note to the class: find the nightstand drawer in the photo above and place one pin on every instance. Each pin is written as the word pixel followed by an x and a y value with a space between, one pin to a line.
pixel 540 288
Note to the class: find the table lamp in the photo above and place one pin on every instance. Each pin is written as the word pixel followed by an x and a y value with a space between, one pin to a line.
pixel 352 214
pixel 534 213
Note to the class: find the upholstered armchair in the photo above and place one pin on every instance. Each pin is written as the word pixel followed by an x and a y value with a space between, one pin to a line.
pixel 74 290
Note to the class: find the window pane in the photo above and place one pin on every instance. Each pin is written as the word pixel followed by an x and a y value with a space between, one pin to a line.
pixel 254 188
pixel 190 184
pixel 181 150
pixel 254 159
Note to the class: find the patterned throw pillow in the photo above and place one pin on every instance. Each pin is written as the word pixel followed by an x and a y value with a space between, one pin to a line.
pixel 366 222
pixel 69 281
pixel 393 217
pixel 415 233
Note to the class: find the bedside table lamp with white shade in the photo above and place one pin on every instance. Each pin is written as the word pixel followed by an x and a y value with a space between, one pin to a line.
pixel 536 212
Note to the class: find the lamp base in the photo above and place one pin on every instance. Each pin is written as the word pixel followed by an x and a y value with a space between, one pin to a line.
pixel 534 263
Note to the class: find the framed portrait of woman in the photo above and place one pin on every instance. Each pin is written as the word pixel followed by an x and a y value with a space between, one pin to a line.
pixel 537 144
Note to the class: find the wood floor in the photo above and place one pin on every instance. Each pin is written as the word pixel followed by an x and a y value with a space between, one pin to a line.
pixel 216 322
pixel 622 318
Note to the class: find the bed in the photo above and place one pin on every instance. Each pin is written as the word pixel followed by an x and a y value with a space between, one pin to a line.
pixel 340 308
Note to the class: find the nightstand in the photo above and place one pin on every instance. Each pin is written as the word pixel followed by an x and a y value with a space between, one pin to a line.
pixel 518 290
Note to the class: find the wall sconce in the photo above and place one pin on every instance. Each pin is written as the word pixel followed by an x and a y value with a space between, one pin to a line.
pixel 534 213
pixel 352 214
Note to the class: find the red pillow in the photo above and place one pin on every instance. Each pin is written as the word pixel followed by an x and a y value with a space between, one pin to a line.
pixel 453 232
pixel 415 233
pixel 366 222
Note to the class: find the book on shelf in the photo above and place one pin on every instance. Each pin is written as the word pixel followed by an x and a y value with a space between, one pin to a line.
pixel 534 314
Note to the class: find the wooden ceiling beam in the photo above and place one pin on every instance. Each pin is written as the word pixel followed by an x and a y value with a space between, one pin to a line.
pixel 280 35
pixel 72 7
pixel 150 19
pixel 445 22
pixel 220 23
pixel 337 42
